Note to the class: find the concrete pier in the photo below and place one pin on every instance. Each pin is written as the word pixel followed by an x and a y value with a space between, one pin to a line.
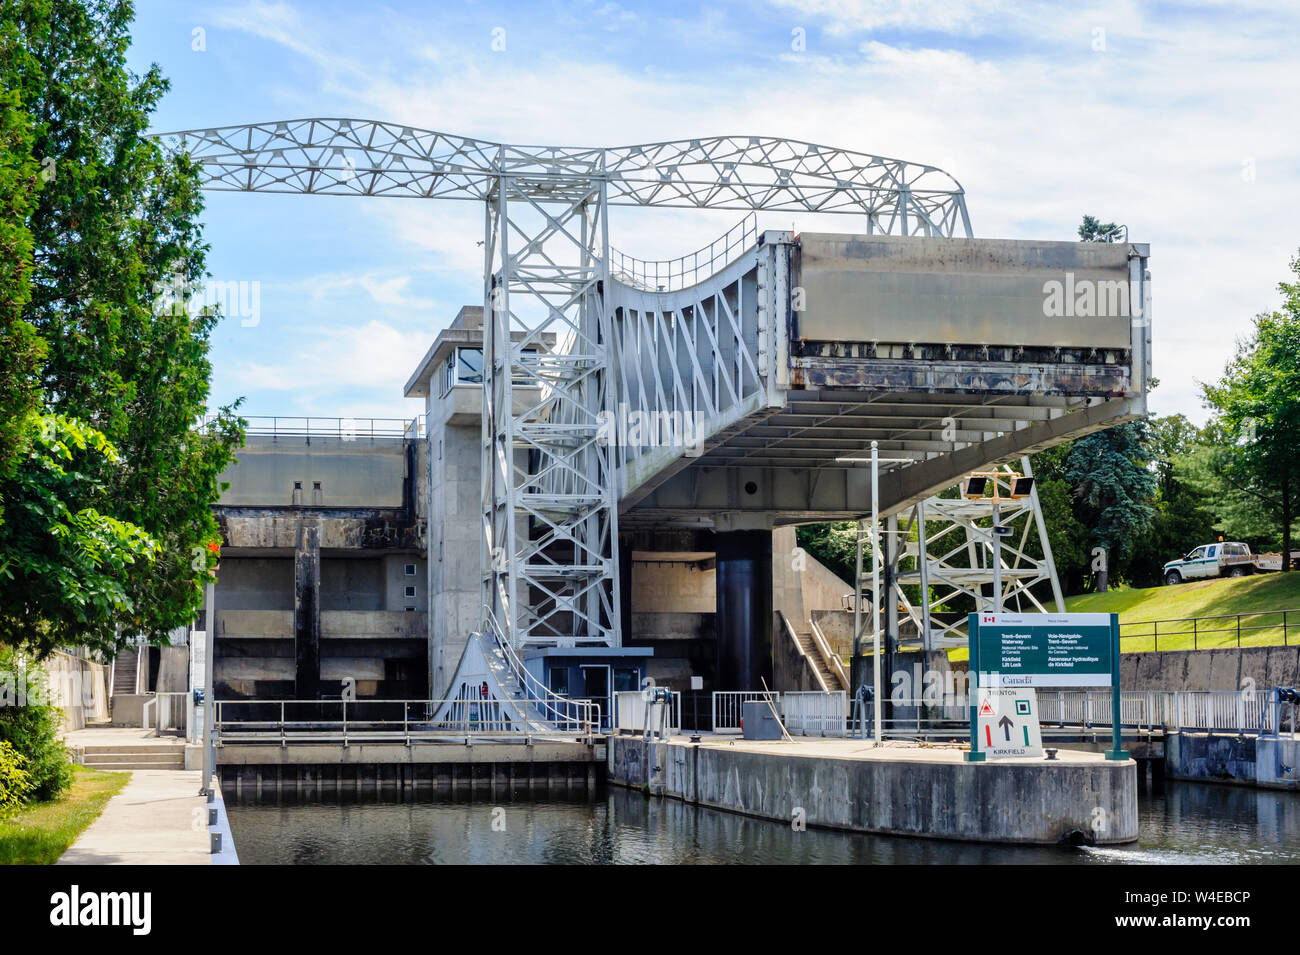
pixel 895 789
pixel 496 768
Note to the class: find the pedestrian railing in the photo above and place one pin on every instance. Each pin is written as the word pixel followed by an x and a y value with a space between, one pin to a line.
pixel 1060 712
pixel 1256 628
pixel 815 713
pixel 345 428
pixel 348 721
pixel 167 712
pixel 630 712
pixel 728 705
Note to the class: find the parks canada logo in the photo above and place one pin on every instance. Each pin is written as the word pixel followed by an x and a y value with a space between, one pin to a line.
pixel 77 908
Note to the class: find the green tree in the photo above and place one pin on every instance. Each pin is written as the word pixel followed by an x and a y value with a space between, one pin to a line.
pixel 64 567
pixel 1093 230
pixel 21 348
pixel 834 544
pixel 1257 401
pixel 1181 518
pixel 1113 487
pixel 118 257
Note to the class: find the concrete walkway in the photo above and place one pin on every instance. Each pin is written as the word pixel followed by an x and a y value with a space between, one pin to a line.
pixel 157 819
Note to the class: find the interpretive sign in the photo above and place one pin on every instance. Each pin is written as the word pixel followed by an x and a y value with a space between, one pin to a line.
pixel 1045 649
pixel 1022 650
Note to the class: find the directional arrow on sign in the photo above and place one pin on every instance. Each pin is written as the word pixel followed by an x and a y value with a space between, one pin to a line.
pixel 1005 723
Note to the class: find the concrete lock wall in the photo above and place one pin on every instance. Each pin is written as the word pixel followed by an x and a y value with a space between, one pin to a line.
pixel 361 472
pixel 1205 757
pixel 985 802
pixel 1224 669
pixel 454 584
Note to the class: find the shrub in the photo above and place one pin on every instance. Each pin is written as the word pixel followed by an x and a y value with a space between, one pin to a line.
pixel 15 783
pixel 31 727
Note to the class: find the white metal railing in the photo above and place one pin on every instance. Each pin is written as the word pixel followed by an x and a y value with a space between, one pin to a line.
pixel 384 720
pixel 548 705
pixel 170 711
pixel 728 704
pixel 630 712
pixel 1143 711
pixel 346 428
pixel 669 275
pixel 815 714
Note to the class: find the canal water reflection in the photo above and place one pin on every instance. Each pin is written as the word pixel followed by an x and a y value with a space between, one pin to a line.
pixel 1186 823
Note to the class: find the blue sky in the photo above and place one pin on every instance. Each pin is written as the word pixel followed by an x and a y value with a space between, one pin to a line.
pixel 1177 120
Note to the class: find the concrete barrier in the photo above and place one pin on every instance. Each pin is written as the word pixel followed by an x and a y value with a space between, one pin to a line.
pixel 1205 757
pixel 918 792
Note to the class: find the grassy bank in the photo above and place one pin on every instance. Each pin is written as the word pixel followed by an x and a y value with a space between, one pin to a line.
pixel 1202 598
pixel 40 833
pixel 1139 608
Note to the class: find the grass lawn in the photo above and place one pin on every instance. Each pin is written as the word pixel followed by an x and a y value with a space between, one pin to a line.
pixel 1138 608
pixel 40 833
pixel 1202 598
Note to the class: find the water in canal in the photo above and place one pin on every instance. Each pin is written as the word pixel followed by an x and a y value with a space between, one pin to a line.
pixel 1184 823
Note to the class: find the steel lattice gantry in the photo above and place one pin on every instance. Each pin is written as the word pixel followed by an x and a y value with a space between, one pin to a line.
pixel 550 514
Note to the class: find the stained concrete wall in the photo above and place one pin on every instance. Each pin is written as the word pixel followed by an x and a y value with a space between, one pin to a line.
pixel 1226 669
pixel 1278 763
pixel 673 587
pixel 801 584
pixel 79 687
pixel 454 587
pixel 362 472
pixel 1208 758
pixel 986 802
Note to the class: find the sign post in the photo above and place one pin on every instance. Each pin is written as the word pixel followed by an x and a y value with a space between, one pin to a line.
pixel 1044 650
pixel 1116 750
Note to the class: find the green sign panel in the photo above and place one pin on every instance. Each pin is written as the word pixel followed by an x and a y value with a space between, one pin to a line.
pixel 1010 650
pixel 1043 649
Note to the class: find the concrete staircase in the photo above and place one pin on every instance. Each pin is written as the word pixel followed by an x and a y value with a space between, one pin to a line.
pixel 830 677
pixel 125 665
pixel 134 756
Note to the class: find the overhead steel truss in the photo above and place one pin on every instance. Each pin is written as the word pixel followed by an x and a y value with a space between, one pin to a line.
pixel 945 547
pixel 549 554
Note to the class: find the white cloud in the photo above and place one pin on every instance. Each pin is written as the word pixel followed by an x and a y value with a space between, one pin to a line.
pixel 1039 125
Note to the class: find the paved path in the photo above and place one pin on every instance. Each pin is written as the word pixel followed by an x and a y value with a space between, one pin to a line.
pixel 118 736
pixel 157 819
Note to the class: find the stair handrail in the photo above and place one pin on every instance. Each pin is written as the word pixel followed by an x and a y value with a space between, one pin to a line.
pixel 562 708
pixel 828 655
pixel 793 637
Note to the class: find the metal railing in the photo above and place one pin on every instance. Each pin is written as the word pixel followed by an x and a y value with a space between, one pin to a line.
pixel 548 706
pixel 727 706
pixel 170 711
pixel 828 655
pixel 670 275
pixel 630 712
pixel 1211 632
pixel 347 721
pixel 345 428
pixel 815 713
pixel 1068 712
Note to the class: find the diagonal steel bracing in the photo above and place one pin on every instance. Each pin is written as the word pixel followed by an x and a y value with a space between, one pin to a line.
pixel 549 480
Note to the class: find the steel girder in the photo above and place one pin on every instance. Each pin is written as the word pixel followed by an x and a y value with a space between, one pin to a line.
pixel 352 157
pixel 549 482
pixel 549 511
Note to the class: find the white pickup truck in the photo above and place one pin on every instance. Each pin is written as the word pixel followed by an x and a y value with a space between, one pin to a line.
pixel 1221 559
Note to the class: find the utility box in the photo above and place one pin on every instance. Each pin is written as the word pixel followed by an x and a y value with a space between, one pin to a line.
pixel 758 721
